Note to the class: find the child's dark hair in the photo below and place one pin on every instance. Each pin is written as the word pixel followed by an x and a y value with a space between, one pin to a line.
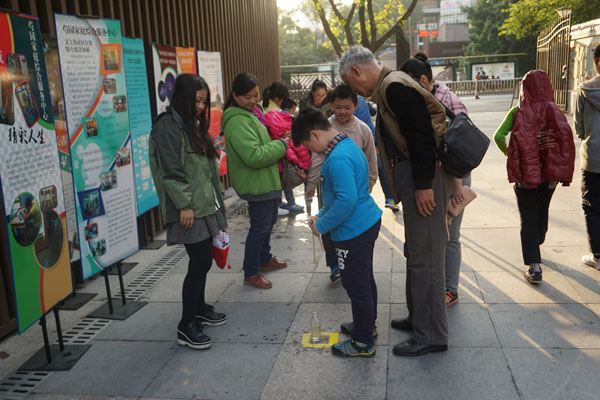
pixel 305 122
pixel 318 84
pixel 417 66
pixel 288 104
pixel 343 92
pixel 184 103
pixel 597 53
pixel 242 84
pixel 277 89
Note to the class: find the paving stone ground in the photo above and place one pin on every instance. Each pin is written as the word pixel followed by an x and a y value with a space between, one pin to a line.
pixel 508 339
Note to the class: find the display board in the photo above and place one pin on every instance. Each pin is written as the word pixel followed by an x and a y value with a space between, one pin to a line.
pixel 64 153
pixel 164 62
pixel 30 177
pixel 140 122
pixel 90 57
pixel 504 70
pixel 209 68
pixel 186 60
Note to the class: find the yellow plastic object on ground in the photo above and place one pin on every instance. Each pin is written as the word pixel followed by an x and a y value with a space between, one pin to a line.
pixel 328 339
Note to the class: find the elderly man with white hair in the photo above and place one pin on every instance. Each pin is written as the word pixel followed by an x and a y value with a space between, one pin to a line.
pixel 410 124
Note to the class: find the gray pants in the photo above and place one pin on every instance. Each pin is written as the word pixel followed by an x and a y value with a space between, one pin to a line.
pixel 425 252
pixel 453 248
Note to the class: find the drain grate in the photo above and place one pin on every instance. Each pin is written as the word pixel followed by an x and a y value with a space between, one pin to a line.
pixel 20 384
pixel 85 330
pixel 144 281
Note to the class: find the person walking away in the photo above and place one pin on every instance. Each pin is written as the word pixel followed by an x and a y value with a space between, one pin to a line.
pixel 183 162
pixel 587 128
pixel 351 215
pixel 540 154
pixel 410 124
pixel 419 69
pixel 252 162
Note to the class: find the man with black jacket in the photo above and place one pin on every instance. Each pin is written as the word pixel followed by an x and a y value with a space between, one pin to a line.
pixel 409 128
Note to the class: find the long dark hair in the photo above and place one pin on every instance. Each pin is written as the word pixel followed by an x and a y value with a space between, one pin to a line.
pixel 242 84
pixel 417 66
pixel 184 103
pixel 277 89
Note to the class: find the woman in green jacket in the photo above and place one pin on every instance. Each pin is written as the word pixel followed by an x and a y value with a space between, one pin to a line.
pixel 184 167
pixel 252 161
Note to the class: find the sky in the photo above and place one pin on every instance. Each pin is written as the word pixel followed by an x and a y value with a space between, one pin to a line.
pixel 302 20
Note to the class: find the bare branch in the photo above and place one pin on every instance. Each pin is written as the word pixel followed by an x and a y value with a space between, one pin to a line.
pixel 372 21
pixel 334 41
pixel 392 30
pixel 347 28
pixel 336 11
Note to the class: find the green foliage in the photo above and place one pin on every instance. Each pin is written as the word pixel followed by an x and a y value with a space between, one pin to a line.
pixel 486 18
pixel 298 45
pixel 530 17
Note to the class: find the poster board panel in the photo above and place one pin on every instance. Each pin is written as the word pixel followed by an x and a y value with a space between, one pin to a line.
pixel 30 178
pixel 96 105
pixel 186 60
pixel 140 122
pixel 164 62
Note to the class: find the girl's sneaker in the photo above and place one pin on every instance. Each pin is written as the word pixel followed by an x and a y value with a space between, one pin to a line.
pixel 335 274
pixel 451 297
pixel 352 348
pixel 294 208
pixel 389 203
pixel 591 261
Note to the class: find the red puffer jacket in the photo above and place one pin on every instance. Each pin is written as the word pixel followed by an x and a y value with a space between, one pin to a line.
pixel 541 147
pixel 278 123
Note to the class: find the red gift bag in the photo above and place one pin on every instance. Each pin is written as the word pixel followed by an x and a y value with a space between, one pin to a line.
pixel 220 249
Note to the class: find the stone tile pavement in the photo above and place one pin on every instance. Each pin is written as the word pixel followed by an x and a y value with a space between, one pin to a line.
pixel 508 339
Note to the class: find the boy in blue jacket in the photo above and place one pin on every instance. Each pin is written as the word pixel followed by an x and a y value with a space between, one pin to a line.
pixel 351 215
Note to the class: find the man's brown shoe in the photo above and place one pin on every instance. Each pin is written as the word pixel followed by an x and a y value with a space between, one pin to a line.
pixel 273 264
pixel 258 281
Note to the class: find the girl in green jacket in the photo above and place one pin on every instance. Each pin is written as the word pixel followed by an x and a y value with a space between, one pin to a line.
pixel 183 161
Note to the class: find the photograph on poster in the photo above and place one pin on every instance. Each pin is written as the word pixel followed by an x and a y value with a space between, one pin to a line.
pixel 75 241
pixel 25 219
pixel 109 180
pixel 27 104
pixel 49 246
pixel 7 115
pixel 170 85
pixel 17 66
pixel 110 86
pixel 48 198
pixel 162 91
pixel 98 248
pixel 91 203
pixel 91 231
pixel 122 157
pixel 110 56
pixel 91 127
pixel 119 103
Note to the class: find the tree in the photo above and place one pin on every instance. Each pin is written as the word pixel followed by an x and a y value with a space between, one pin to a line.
pixel 342 28
pixel 486 18
pixel 297 45
pixel 530 17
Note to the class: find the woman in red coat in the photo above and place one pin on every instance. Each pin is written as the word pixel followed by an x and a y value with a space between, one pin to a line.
pixel 541 153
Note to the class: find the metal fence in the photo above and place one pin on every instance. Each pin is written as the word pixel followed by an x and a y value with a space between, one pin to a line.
pixel 483 87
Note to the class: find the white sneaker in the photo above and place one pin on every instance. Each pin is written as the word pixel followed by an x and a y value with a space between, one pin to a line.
pixel 591 260
pixel 282 211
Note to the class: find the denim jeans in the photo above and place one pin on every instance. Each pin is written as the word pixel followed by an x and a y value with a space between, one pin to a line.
pixel 263 215
pixel 289 197
pixel 453 248
pixel 590 193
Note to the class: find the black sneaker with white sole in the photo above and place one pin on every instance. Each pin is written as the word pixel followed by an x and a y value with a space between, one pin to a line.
pixel 533 276
pixel 209 317
pixel 192 336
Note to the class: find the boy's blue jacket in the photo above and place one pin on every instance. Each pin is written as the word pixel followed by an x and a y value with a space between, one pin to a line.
pixel 348 208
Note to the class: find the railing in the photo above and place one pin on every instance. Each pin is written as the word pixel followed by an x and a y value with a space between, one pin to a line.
pixel 489 87
pixel 298 94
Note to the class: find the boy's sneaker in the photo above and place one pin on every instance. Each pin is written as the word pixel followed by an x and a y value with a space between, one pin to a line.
pixel 211 318
pixel 293 208
pixel 347 328
pixel 335 274
pixel 282 211
pixel 533 276
pixel 389 203
pixel 192 336
pixel 451 298
pixel 352 348
pixel 591 260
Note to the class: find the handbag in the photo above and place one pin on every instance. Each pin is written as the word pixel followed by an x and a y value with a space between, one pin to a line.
pixel 463 145
pixel 292 175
